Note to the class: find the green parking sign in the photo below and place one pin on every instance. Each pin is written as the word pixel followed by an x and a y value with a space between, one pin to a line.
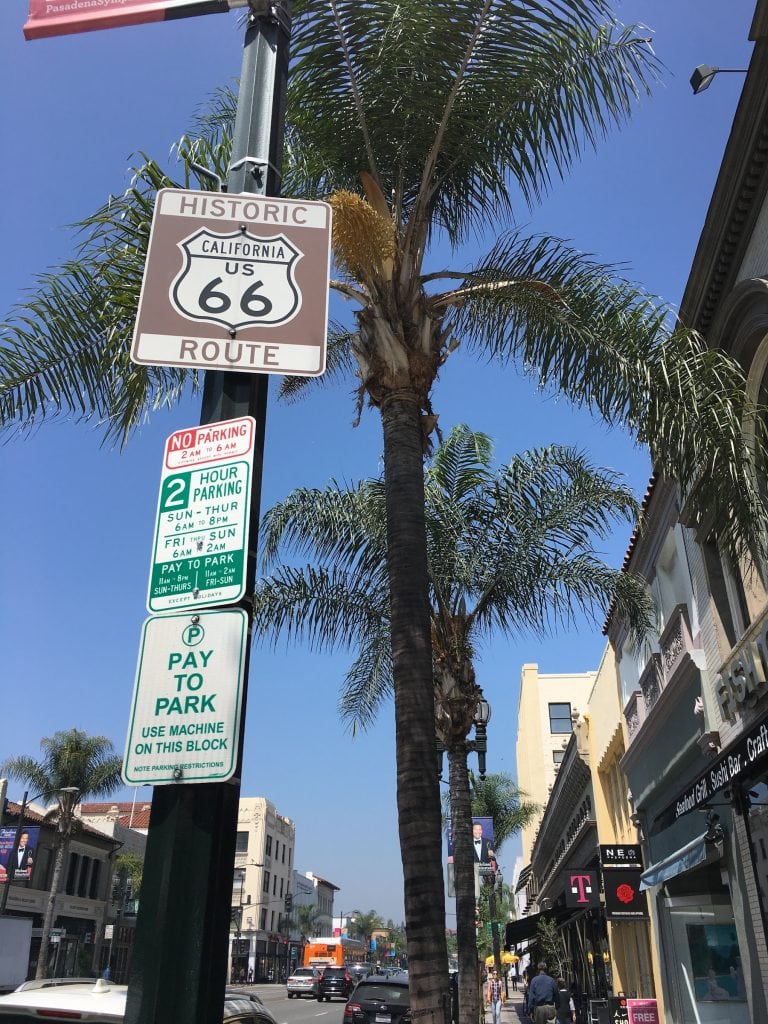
pixel 201 529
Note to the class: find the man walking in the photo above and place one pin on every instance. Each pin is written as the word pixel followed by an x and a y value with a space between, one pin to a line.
pixel 542 997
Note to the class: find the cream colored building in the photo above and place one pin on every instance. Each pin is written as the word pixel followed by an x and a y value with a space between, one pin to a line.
pixel 547 706
pixel 264 856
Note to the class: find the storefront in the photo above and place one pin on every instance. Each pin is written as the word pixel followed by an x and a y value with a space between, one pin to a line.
pixel 701 890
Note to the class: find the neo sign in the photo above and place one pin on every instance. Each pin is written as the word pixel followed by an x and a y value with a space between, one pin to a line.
pixel 201 530
pixel 235 282
pixel 185 712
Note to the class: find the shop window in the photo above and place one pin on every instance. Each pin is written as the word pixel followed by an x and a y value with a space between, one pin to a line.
pixel 727 591
pixel 241 844
pixel 560 718
pixel 93 891
pixel 72 873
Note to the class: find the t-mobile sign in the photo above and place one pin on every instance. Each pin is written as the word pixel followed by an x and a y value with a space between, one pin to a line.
pixel 582 889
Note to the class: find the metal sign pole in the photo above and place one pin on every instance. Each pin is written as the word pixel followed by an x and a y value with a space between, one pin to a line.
pixel 179 966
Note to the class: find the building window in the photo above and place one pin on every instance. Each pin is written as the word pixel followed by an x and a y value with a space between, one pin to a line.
pixel 557 756
pixel 268 847
pixel 241 844
pixel 274 886
pixel 263 918
pixel 284 855
pixel 281 886
pixel 560 718
pixel 272 921
pixel 265 882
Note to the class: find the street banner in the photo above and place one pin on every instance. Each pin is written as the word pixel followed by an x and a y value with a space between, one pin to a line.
pixel 581 889
pixel 17 862
pixel 624 899
pixel 65 17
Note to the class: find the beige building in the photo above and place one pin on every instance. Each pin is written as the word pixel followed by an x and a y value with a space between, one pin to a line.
pixel 264 855
pixel 546 709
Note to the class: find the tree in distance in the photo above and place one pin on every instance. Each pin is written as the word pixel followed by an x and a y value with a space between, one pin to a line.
pixel 509 550
pixel 74 766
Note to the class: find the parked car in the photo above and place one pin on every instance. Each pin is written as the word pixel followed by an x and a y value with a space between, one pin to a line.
pixel 101 1002
pixel 360 971
pixel 335 981
pixel 379 999
pixel 303 982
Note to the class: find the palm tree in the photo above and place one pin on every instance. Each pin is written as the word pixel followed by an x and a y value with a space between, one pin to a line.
pixel 307 919
pixel 364 924
pixel 509 550
pixel 74 766
pixel 426 121
pixel 498 797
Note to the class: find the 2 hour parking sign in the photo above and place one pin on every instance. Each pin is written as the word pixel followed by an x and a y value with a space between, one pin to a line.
pixel 235 282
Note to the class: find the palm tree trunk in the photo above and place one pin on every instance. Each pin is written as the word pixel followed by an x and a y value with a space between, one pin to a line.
pixel 58 864
pixel 418 796
pixel 464 877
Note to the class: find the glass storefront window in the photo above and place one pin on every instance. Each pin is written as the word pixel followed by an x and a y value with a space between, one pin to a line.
pixel 708 967
pixel 755 800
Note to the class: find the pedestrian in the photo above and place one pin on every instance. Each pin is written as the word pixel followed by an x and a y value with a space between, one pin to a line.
pixel 494 996
pixel 250 975
pixel 514 979
pixel 566 1008
pixel 543 998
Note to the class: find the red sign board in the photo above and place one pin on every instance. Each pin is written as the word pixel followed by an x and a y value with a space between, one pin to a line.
pixel 64 17
pixel 643 1011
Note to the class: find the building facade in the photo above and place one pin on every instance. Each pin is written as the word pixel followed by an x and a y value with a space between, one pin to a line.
pixel 546 707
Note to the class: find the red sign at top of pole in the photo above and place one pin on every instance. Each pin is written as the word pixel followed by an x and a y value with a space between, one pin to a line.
pixel 63 17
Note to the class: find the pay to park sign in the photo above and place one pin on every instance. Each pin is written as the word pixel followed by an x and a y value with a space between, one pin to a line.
pixel 185 713
pixel 199 548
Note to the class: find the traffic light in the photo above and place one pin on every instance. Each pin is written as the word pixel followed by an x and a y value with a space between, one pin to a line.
pixel 288 902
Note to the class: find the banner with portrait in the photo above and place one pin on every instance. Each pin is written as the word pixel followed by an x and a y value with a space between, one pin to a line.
pixel 17 856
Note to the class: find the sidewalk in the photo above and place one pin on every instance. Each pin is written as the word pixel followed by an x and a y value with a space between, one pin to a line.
pixel 512 1012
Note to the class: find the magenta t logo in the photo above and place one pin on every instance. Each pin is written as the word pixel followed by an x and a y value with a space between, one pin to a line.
pixel 581 887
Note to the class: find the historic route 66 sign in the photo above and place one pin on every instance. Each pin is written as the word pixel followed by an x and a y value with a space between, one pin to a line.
pixel 237 279
pixel 235 282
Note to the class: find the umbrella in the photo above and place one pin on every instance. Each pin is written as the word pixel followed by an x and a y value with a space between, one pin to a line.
pixel 509 958
pixel 489 960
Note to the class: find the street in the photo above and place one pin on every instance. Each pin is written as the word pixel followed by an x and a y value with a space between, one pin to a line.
pixel 298 1011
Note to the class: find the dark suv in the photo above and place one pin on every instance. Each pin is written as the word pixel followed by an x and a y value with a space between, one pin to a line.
pixel 380 1000
pixel 335 981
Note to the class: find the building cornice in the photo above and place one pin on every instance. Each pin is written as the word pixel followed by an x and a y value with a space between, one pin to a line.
pixel 738 196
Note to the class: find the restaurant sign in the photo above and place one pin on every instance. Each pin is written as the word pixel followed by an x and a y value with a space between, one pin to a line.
pixel 737 761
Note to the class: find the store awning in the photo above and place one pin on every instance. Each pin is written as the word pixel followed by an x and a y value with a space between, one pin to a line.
pixel 522 881
pixel 526 927
pixel 702 850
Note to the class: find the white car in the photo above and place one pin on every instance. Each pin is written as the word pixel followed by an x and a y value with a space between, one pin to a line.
pixel 303 982
pixel 101 1002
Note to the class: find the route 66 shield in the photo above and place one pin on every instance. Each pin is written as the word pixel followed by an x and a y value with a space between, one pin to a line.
pixel 236 279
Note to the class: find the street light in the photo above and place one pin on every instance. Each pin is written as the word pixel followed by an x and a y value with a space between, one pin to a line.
pixel 702 76
pixel 482 718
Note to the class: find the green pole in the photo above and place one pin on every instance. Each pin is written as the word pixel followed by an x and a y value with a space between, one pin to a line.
pixel 179 966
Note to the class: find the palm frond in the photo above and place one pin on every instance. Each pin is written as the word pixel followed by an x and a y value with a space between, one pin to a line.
pixel 368 683
pixel 340 364
pixel 324 608
pixel 608 346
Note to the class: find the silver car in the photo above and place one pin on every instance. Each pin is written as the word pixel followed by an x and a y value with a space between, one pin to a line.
pixel 303 982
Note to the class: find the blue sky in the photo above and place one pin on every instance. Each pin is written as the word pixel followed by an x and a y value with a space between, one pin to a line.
pixel 77 517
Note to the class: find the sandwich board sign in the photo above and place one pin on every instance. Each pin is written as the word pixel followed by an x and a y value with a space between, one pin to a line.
pixel 201 529
pixel 235 282
pixel 185 712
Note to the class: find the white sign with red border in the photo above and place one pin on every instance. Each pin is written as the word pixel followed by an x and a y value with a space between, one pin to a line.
pixel 199 551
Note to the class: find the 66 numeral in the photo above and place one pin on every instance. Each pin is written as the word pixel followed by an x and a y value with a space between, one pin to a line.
pixel 251 303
